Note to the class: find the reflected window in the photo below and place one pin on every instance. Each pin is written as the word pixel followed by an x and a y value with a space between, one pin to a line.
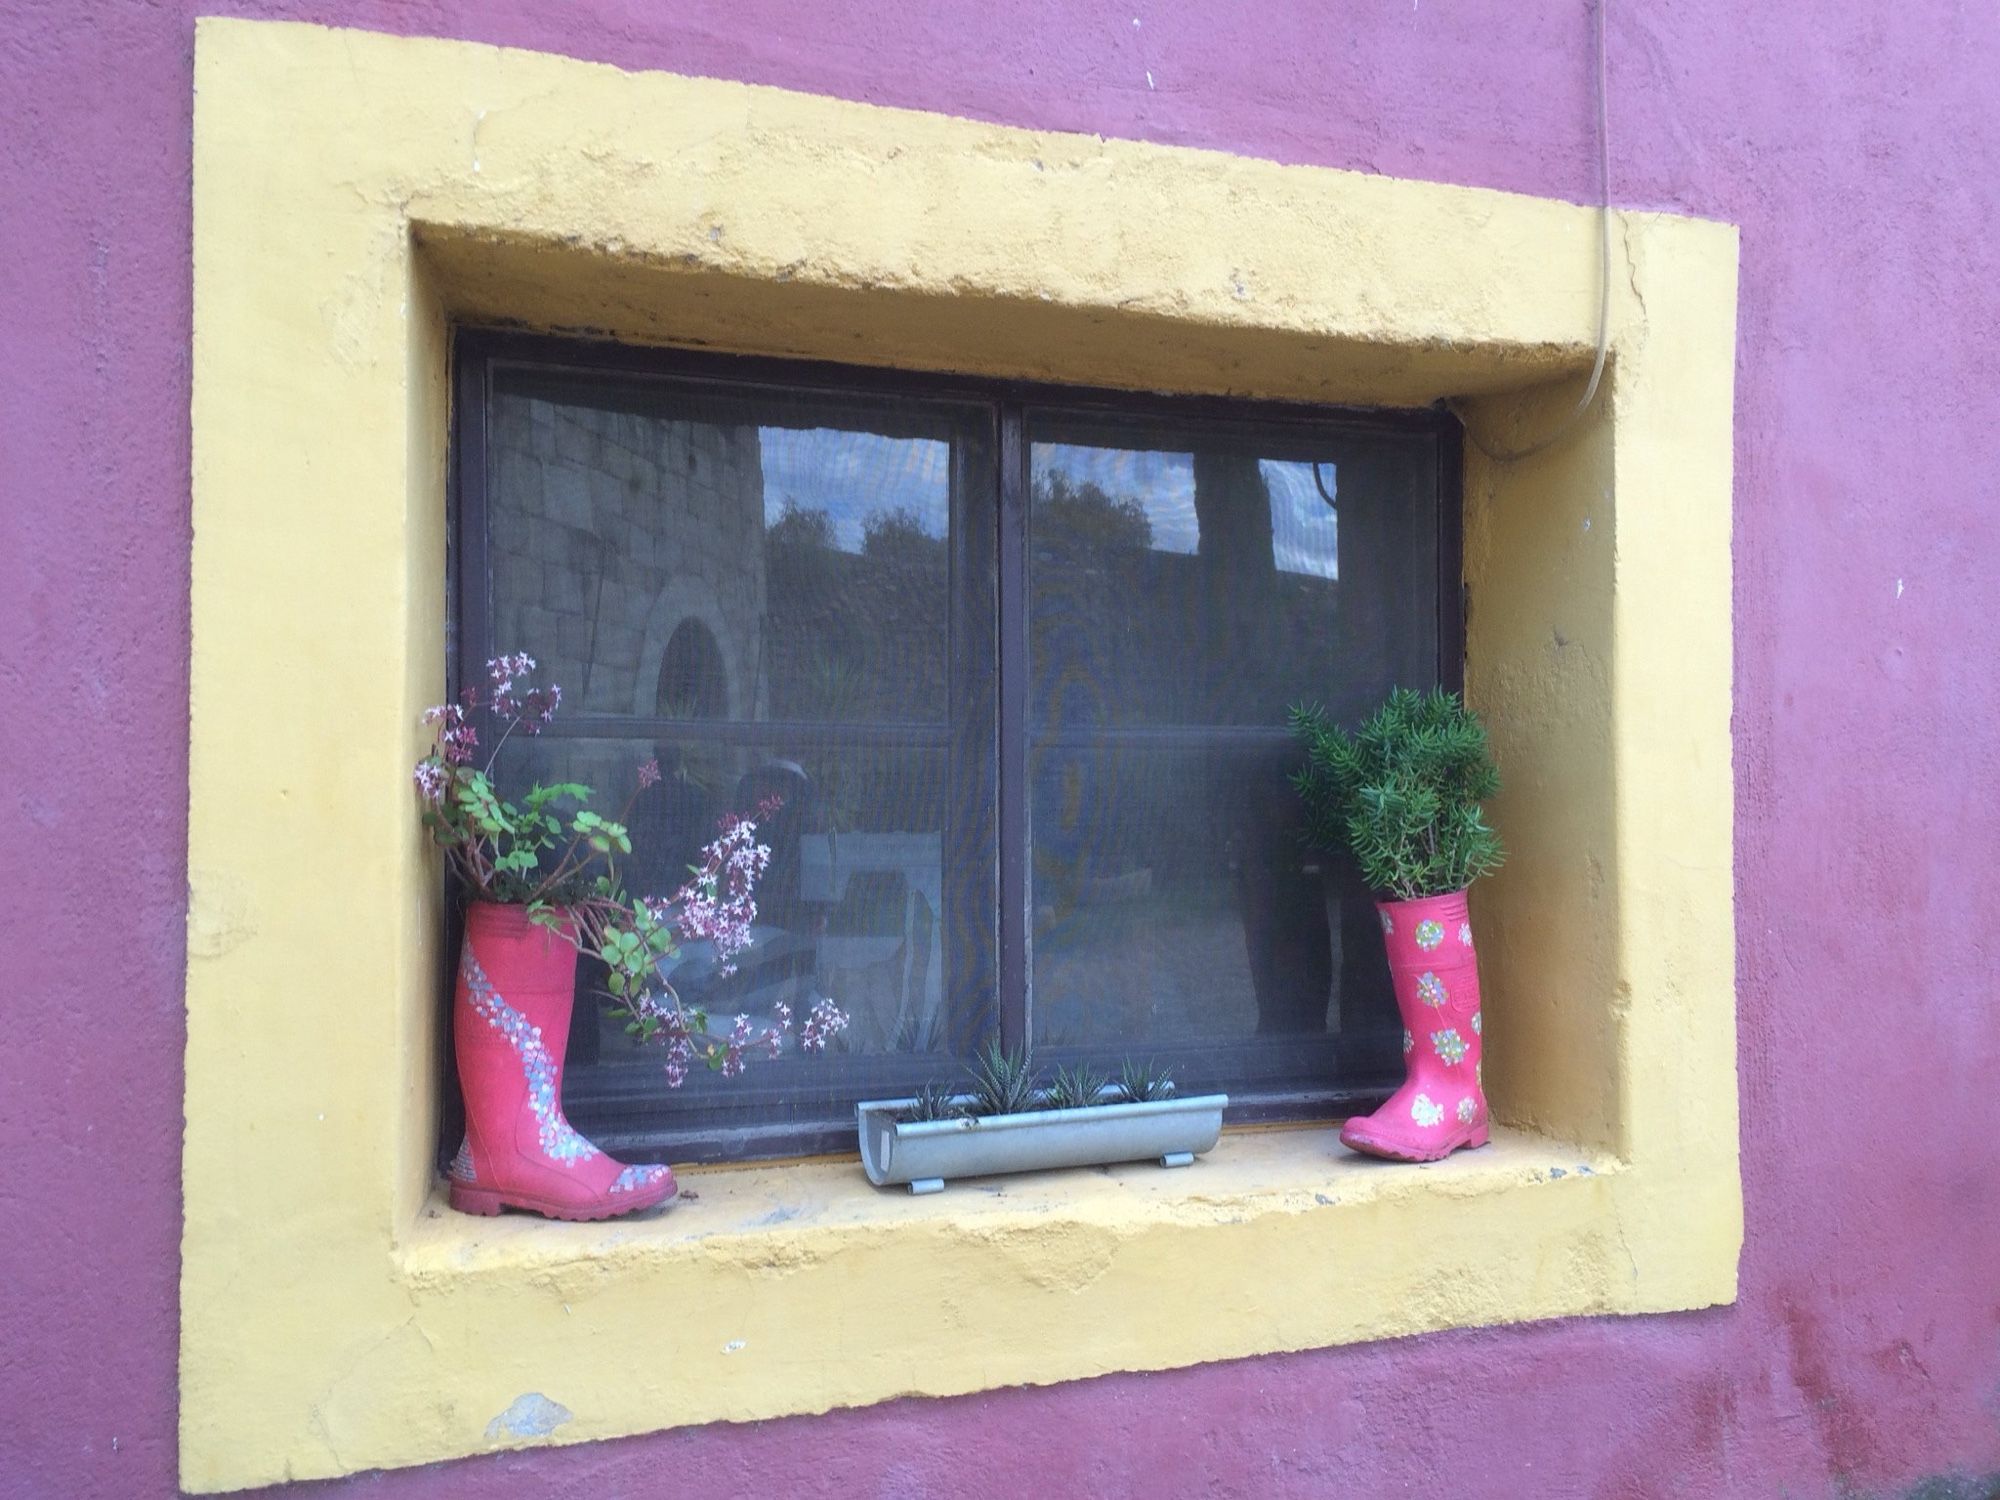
pixel 1014 674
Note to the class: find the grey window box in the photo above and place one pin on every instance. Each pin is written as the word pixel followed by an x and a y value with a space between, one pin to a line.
pixel 1171 1131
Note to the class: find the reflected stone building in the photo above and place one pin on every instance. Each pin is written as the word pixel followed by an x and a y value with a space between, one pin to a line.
pixel 632 562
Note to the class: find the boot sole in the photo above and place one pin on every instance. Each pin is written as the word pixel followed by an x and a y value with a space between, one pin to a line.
pixel 1367 1147
pixel 487 1203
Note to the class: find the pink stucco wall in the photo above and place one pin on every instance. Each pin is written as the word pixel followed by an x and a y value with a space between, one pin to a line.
pixel 1858 146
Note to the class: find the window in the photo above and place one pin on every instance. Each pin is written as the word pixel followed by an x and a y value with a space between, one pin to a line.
pixel 1016 661
pixel 317 520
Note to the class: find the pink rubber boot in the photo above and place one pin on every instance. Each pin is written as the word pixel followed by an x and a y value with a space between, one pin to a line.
pixel 1441 1105
pixel 510 1023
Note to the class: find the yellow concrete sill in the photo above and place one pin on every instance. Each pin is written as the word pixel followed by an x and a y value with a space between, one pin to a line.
pixel 799 1287
pixel 808 1211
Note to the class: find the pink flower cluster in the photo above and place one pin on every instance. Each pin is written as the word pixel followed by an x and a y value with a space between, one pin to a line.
pixel 532 709
pixel 431 780
pixel 717 905
pixel 675 1032
pixel 744 1041
pixel 680 1052
pixel 825 1022
pixel 680 1044
pixel 456 738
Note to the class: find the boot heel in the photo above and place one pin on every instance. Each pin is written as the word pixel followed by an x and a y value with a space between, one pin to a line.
pixel 472 1200
pixel 1478 1136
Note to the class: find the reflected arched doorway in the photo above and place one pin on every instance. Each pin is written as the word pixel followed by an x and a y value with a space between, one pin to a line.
pixel 693 684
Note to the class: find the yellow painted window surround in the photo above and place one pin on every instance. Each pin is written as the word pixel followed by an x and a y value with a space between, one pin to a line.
pixel 355 195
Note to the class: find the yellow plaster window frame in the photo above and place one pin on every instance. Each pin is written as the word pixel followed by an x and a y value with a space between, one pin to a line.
pixel 354 196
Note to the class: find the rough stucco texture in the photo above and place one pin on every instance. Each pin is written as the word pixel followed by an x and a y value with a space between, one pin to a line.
pixel 1857 146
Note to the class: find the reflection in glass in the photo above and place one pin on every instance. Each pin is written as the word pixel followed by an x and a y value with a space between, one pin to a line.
pixel 851 905
pixel 1172 901
pixel 757 590
pixel 812 557
pixel 1186 584
pixel 791 595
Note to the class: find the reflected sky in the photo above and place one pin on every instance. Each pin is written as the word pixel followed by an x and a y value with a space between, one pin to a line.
pixel 1304 528
pixel 853 475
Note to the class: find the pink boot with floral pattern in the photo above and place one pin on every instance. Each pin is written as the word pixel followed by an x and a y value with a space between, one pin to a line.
pixel 1441 1105
pixel 510 1025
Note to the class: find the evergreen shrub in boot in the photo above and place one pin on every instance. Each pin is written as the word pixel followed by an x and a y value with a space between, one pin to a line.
pixel 544 884
pixel 1403 795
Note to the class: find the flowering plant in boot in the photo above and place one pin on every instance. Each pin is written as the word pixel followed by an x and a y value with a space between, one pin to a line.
pixel 544 879
pixel 554 856
pixel 1403 794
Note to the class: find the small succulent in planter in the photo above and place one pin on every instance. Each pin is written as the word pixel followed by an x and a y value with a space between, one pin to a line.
pixel 1006 1119
pixel 1403 795
pixel 934 1101
pixel 1004 1082
pixel 1144 1082
pixel 1076 1086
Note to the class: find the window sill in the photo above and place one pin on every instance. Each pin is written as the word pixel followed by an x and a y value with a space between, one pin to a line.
pixel 781 1289
pixel 795 1214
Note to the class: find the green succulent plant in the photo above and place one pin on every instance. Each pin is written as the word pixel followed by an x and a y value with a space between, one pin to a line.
pixel 1075 1087
pixel 934 1101
pixel 1402 792
pixel 1144 1082
pixel 1004 1081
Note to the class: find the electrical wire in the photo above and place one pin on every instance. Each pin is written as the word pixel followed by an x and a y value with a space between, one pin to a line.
pixel 1320 485
pixel 1514 455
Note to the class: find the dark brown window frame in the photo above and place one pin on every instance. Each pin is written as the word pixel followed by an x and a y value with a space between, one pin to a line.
pixel 760 1124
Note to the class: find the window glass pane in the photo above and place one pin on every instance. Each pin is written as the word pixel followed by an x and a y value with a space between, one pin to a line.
pixel 1195 575
pixel 774 594
pixel 694 552
pixel 1187 582
pixel 793 591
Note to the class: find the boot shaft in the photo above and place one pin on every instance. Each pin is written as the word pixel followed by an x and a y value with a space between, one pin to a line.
pixel 510 1025
pixel 532 965
pixel 1435 969
pixel 530 969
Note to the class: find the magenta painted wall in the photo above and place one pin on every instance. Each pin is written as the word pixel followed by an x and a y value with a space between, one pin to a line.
pixel 1858 146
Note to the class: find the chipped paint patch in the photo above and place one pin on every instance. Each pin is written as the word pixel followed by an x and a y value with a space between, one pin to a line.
pixel 532 1415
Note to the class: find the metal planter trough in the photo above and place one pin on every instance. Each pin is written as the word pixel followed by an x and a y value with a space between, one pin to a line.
pixel 925 1155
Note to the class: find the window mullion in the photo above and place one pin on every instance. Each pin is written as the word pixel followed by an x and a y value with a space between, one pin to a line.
pixel 1451 560
pixel 1016 832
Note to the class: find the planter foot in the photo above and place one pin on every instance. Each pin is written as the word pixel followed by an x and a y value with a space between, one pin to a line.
pixel 927 1185
pixel 1177 1159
